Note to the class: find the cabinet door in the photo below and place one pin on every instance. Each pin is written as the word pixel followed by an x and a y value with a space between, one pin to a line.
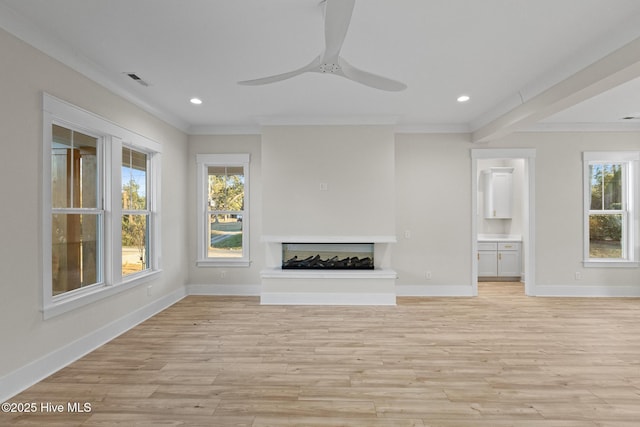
pixel 509 263
pixel 498 195
pixel 487 263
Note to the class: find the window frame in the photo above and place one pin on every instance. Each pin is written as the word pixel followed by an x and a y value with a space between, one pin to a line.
pixel 98 210
pixel 630 212
pixel 204 161
pixel 111 140
pixel 146 212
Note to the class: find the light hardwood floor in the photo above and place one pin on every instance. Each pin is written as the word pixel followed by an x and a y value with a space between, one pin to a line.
pixel 501 359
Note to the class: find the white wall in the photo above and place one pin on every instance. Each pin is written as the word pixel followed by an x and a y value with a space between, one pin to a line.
pixel 25 74
pixel 432 201
pixel 433 204
pixel 355 162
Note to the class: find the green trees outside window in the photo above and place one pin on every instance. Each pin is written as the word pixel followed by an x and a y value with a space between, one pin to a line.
pixel 225 210
pixel 606 215
pixel 135 212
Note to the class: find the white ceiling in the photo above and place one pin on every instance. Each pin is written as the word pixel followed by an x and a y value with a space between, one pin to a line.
pixel 502 53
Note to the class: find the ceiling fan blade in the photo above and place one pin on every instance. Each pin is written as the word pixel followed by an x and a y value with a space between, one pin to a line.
pixel 278 77
pixel 337 16
pixel 369 79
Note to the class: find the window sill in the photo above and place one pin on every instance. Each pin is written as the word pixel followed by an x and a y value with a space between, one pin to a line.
pixel 223 263
pixel 66 303
pixel 610 264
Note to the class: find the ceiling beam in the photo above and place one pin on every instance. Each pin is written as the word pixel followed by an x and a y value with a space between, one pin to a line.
pixel 618 67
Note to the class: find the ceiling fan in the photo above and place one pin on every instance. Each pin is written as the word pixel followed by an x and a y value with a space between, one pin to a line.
pixel 337 16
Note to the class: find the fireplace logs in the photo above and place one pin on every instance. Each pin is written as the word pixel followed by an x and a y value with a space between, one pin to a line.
pixel 321 256
pixel 315 262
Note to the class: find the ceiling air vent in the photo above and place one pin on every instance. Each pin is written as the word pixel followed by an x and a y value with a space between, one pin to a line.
pixel 137 79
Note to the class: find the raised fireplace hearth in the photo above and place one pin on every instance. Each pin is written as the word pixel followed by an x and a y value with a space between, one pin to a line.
pixel 327 256
pixel 328 270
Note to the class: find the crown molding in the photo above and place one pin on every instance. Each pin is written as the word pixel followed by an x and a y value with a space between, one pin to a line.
pixel 247 129
pixel 326 120
pixel 458 128
pixel 433 128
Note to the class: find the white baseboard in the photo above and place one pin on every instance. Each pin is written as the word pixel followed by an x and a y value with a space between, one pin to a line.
pixel 229 290
pixel 596 291
pixel 434 290
pixel 327 298
pixel 26 376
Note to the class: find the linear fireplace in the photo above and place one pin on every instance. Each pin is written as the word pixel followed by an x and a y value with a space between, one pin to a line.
pixel 328 270
pixel 327 256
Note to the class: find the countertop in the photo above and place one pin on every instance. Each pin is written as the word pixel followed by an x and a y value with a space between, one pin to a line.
pixel 499 238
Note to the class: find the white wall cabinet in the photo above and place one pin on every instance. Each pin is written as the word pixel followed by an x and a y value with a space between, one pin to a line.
pixel 499 259
pixel 498 193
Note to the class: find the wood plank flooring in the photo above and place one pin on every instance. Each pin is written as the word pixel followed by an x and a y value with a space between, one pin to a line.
pixel 497 360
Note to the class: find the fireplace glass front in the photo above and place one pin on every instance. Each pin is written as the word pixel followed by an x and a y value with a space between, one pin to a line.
pixel 327 256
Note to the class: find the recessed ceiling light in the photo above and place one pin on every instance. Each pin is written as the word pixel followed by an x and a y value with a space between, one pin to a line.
pixel 463 98
pixel 196 101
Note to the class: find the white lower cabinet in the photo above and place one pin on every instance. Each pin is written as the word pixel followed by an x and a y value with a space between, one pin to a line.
pixel 487 259
pixel 499 259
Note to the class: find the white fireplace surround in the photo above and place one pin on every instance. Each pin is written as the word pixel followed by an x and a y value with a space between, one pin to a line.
pixel 328 287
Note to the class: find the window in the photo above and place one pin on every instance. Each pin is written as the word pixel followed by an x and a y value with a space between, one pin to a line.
pixel 223 211
pixel 611 211
pixel 100 208
pixel 77 216
pixel 135 212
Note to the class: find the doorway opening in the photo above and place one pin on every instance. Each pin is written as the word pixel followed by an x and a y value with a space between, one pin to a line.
pixel 503 217
pixel 500 289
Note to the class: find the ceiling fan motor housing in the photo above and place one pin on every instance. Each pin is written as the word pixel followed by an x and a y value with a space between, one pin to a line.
pixel 329 68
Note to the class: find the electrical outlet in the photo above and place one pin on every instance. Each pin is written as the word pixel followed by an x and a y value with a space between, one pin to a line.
pixel 324 186
pixel 578 275
pixel 223 274
pixel 407 234
pixel 427 275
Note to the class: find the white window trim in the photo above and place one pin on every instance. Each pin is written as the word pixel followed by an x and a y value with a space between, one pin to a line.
pixel 56 111
pixel 203 161
pixel 631 186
